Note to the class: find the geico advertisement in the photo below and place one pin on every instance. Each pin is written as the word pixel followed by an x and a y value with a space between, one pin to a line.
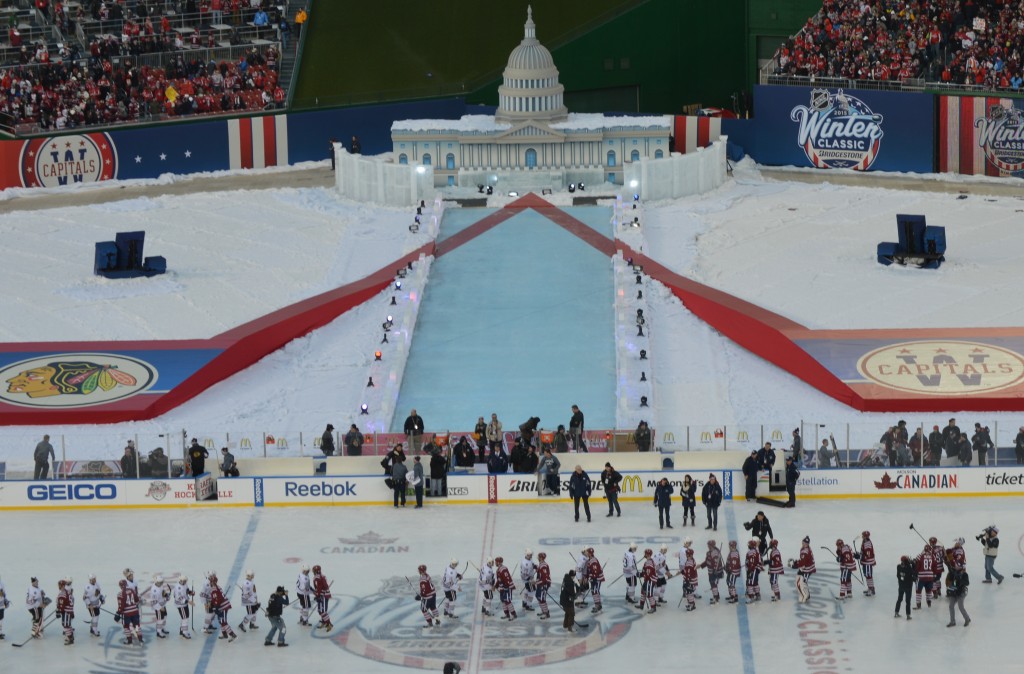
pixel 635 485
pixel 71 494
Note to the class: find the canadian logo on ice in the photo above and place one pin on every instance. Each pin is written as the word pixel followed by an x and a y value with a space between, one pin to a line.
pixel 942 368
pixel 838 131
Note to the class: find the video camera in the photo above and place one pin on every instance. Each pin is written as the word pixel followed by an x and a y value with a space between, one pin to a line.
pixel 986 533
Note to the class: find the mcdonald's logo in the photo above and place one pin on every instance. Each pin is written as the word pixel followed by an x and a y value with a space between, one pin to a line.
pixel 316 441
pixel 208 443
pixel 705 437
pixel 776 436
pixel 282 443
pixel 245 443
pixel 632 483
pixel 669 438
pixel 742 436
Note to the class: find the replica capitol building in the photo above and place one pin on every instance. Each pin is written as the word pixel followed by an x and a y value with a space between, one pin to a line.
pixel 532 141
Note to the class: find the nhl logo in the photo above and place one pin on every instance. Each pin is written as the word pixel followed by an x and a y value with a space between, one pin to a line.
pixel 158 490
pixel 819 99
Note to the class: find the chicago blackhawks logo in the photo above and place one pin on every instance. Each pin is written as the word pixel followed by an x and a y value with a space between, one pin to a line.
pixel 387 627
pixel 838 131
pixel 1001 136
pixel 75 380
pixel 942 368
pixel 57 161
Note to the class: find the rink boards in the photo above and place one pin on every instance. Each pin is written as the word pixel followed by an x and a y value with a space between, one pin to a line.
pixel 492 489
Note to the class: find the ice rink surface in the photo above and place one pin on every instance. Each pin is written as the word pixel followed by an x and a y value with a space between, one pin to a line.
pixel 369 551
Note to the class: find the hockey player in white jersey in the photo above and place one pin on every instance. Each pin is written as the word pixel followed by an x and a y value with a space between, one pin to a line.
pixel 528 574
pixel 250 601
pixel 93 599
pixel 629 572
pixel 206 594
pixel 304 591
pixel 582 579
pixel 129 576
pixel 157 597
pixel 35 602
pixel 450 584
pixel 661 566
pixel 486 583
pixel 183 601
pixel 4 603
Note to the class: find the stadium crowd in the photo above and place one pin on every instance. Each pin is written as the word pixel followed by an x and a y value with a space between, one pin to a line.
pixel 971 42
pixel 57 86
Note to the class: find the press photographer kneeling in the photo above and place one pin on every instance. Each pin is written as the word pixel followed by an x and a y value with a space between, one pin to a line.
pixel 989 539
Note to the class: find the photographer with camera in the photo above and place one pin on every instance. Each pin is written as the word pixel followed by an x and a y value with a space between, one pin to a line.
pixel 990 541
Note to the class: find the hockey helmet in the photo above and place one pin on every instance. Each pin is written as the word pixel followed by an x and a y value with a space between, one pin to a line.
pixel 212 578
pixel 752 543
pixel 687 542
pixel 542 556
pixel 250 574
pixel 583 549
pixel 61 582
pixel 807 540
pixel 865 534
pixel 648 552
pixel 774 543
pixel 183 580
pixel 933 540
pixel 959 542
pixel 632 547
pixel 905 559
pixel 67 580
pixel 664 548
pixel 128 573
pixel 304 568
pixel 123 583
pixel 732 544
pixel 159 580
pixel 712 543
pixel 92 576
pixel 316 569
pixel 590 551
pixel 454 562
pixel 35 580
pixel 490 562
pixel 499 560
pixel 422 568
pixel 839 542
pixel 528 553
pixel 689 552
pixel 994 529
pixel 211 574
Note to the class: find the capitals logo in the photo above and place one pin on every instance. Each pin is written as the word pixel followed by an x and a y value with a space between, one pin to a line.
pixel 943 367
pixel 838 131
pixel 1001 136
pixel 64 160
pixel 387 626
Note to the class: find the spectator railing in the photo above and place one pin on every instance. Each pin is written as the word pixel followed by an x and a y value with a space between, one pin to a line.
pixel 912 85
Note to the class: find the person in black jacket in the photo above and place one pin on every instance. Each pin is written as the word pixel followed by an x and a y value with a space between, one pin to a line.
pixel 579 490
pixel 197 456
pixel 1018 446
pixel 934 447
pixel 567 600
pixel 480 435
pixel 965 451
pixel 438 472
pixel 464 457
pixel 642 437
pixel 518 455
pixel 610 479
pixel 576 430
pixel 497 462
pixel 760 528
pixel 354 441
pixel 688 493
pixel 906 576
pixel 528 429
pixel 956 591
pixel 750 473
pixel 327 441
pixel 797 448
pixel 389 459
pixel 531 461
pixel 766 457
pixel 951 439
pixel 711 496
pixel 981 442
pixel 275 609
pixel 413 429
pixel 792 475
pixel 663 501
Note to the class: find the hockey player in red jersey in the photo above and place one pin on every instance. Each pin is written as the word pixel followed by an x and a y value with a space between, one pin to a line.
pixel 925 565
pixel 775 569
pixel 506 587
pixel 426 596
pixel 322 590
pixel 128 612
pixel 66 609
pixel 804 569
pixel 714 563
pixel 221 605
pixel 754 568
pixel 940 561
pixel 543 584
pixel 596 576
pixel 733 567
pixel 689 572
pixel 958 558
pixel 866 556
pixel 649 573
pixel 847 564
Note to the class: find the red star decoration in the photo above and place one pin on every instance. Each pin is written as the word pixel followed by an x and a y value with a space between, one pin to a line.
pixel 977 350
pixel 54 146
pixel 28 170
pixel 940 351
pixel 904 350
pixel 32 153
pixel 104 146
pixel 67 144
pixel 106 161
pixel 81 143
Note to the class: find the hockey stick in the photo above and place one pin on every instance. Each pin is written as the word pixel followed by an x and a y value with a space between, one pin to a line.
pixel 616 579
pixel 918 533
pixel 836 558
pixel 577 624
pixel 860 568
pixel 1018 575
pixel 42 626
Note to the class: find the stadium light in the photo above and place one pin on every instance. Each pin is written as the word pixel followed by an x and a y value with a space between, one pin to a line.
pixel 643 401
pixel 369 384
pixel 572 187
pixel 364 409
pixel 639 295
pixel 398 285
pixel 643 354
pixel 377 355
pixel 421 169
pixel 643 376
pixel 513 194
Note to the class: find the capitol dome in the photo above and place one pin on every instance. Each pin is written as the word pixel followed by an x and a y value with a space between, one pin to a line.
pixel 530 88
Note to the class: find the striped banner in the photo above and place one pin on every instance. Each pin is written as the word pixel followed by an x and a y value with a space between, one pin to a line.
pixel 258 142
pixel 964 145
pixel 694 132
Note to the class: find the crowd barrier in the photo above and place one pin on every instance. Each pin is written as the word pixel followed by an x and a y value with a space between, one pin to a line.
pixel 467 488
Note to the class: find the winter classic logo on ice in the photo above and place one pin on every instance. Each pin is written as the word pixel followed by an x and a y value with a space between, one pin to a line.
pixel 1001 136
pixel 387 626
pixel 75 380
pixel 838 131
pixel 941 367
